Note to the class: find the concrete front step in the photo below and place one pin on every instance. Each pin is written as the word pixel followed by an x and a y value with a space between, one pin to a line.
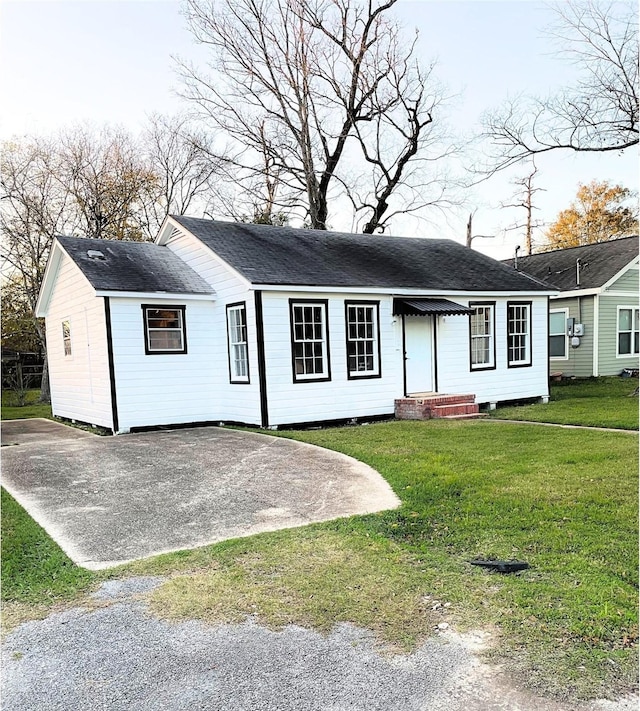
pixel 435 405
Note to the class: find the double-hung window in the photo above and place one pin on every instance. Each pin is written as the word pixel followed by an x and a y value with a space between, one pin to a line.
pixel 627 331
pixel 482 336
pixel 309 340
pixel 518 334
pixel 237 343
pixel 66 337
pixel 558 334
pixel 164 329
pixel 363 339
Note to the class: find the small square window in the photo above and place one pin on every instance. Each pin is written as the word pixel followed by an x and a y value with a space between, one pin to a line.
pixel 164 328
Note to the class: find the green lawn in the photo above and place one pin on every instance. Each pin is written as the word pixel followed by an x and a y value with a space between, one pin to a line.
pixel 594 402
pixel 566 501
pixel 34 568
pixel 32 408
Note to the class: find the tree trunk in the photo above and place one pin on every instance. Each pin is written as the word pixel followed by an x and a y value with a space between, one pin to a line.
pixel 45 387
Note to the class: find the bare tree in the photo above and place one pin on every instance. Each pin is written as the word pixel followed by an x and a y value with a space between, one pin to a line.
pixel 598 114
pixel 523 198
pixel 180 157
pixel 108 183
pixel 327 88
pixel 33 210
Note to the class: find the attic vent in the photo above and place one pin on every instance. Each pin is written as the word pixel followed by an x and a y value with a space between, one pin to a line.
pixel 95 254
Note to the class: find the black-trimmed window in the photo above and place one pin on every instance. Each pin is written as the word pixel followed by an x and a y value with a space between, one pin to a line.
pixel 164 329
pixel 309 340
pixel 237 343
pixel 363 339
pixel 518 334
pixel 482 335
pixel 66 337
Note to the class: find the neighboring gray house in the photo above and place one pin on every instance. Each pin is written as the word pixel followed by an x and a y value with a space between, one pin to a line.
pixel 223 322
pixel 593 322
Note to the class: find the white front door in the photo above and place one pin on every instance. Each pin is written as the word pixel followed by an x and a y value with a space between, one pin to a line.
pixel 418 344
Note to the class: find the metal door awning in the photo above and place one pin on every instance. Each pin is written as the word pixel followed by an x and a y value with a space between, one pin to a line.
pixel 426 307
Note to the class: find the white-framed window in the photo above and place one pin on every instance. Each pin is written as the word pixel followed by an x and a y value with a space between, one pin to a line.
pixel 309 340
pixel 66 337
pixel 482 336
pixel 627 331
pixel 237 343
pixel 164 329
pixel 363 339
pixel 518 334
pixel 558 340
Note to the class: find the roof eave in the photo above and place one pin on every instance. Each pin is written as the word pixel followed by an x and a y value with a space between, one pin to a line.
pixel 164 295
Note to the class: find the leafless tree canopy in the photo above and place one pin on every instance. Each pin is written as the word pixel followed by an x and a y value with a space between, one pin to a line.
pixel 600 113
pixel 319 99
pixel 94 183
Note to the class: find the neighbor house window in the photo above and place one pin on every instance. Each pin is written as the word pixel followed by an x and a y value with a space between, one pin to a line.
pixel 309 340
pixel 482 339
pixel 558 334
pixel 237 343
pixel 66 337
pixel 518 334
pixel 363 339
pixel 164 329
pixel 627 331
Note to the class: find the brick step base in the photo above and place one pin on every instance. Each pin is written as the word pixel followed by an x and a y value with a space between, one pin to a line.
pixel 465 408
pixel 429 406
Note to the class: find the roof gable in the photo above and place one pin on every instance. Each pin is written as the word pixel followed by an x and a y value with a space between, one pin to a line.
pixel 598 264
pixel 269 255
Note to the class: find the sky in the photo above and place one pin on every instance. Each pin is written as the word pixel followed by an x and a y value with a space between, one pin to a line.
pixel 69 61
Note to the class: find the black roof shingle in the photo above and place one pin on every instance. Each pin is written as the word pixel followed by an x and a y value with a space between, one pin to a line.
pixel 270 255
pixel 133 266
pixel 599 263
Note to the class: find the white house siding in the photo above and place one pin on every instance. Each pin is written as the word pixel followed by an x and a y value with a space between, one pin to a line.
pixel 80 384
pixel 340 398
pixel 502 383
pixel 237 402
pixel 579 361
pixel 169 388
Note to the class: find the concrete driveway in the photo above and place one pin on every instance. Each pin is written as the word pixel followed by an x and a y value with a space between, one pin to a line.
pixel 109 500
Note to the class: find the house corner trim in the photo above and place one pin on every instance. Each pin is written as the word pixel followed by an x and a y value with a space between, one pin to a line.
pixel 112 370
pixel 262 369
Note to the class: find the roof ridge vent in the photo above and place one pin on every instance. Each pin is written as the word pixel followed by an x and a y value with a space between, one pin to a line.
pixel 95 254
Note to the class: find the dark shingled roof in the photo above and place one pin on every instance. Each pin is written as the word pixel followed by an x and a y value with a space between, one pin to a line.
pixel 264 254
pixel 598 263
pixel 133 266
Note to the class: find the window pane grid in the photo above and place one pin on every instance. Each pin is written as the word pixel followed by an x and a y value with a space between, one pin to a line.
pixel 361 340
pixel 237 335
pixel 518 334
pixel 308 340
pixel 481 324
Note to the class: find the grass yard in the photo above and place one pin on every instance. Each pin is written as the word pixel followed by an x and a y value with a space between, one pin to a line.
pixel 35 573
pixel 566 501
pixel 32 408
pixel 594 402
pixel 563 500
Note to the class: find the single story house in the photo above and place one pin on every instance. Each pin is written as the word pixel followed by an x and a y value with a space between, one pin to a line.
pixel 593 321
pixel 271 326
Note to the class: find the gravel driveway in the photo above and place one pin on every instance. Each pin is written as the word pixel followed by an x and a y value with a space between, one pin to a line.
pixel 118 657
